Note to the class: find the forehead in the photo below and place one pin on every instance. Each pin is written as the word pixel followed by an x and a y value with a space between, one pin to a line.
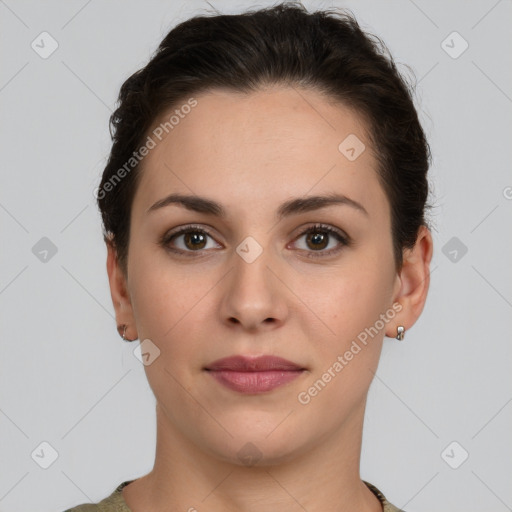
pixel 273 143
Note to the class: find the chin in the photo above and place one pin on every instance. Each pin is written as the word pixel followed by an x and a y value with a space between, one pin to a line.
pixel 258 444
pixel 257 454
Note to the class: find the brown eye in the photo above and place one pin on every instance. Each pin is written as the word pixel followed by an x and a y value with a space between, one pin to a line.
pixel 188 240
pixel 317 240
pixel 194 240
pixel 320 237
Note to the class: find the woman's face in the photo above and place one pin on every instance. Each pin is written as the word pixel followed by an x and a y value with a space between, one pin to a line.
pixel 253 281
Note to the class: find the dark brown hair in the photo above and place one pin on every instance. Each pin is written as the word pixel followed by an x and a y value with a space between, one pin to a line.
pixel 284 44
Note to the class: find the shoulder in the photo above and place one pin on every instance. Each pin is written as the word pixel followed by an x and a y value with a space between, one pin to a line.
pixel 86 507
pixel 112 503
pixel 386 505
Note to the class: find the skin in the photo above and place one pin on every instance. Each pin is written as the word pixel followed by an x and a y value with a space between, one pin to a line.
pixel 250 153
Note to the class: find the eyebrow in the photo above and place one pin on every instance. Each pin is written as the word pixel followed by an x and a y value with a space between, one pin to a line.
pixel 292 207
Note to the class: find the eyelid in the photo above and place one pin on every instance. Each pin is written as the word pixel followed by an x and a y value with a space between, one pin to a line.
pixel 189 227
pixel 323 227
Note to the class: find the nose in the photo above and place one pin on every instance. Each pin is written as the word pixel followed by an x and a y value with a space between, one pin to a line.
pixel 254 297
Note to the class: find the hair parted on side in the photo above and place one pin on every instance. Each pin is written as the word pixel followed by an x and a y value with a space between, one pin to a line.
pixel 325 50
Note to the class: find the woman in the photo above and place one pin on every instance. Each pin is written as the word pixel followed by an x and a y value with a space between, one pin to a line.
pixel 263 208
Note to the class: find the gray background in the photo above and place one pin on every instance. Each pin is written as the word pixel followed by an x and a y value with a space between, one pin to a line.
pixel 67 379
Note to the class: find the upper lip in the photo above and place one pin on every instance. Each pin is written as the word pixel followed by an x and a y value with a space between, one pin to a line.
pixel 253 364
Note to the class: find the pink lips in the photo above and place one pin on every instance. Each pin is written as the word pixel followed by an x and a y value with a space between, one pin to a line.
pixel 254 374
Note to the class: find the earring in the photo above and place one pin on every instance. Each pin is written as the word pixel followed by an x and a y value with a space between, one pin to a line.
pixel 400 333
pixel 124 326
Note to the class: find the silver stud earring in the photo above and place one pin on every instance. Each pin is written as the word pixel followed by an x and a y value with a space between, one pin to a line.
pixel 400 333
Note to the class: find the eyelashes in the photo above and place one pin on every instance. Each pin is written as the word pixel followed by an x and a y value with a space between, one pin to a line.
pixel 196 236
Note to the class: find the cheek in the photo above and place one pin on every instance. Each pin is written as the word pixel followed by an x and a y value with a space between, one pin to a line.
pixel 358 298
pixel 369 298
pixel 171 303
pixel 163 300
pixel 167 308
pixel 346 360
pixel 161 293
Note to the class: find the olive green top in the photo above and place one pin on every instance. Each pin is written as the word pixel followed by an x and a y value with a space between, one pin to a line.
pixel 116 503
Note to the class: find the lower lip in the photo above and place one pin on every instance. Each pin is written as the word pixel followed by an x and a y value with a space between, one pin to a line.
pixel 254 382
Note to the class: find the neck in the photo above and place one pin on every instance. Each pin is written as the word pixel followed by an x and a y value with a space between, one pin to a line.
pixel 184 477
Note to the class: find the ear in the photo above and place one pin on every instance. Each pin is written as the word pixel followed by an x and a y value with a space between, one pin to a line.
pixel 413 282
pixel 120 295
